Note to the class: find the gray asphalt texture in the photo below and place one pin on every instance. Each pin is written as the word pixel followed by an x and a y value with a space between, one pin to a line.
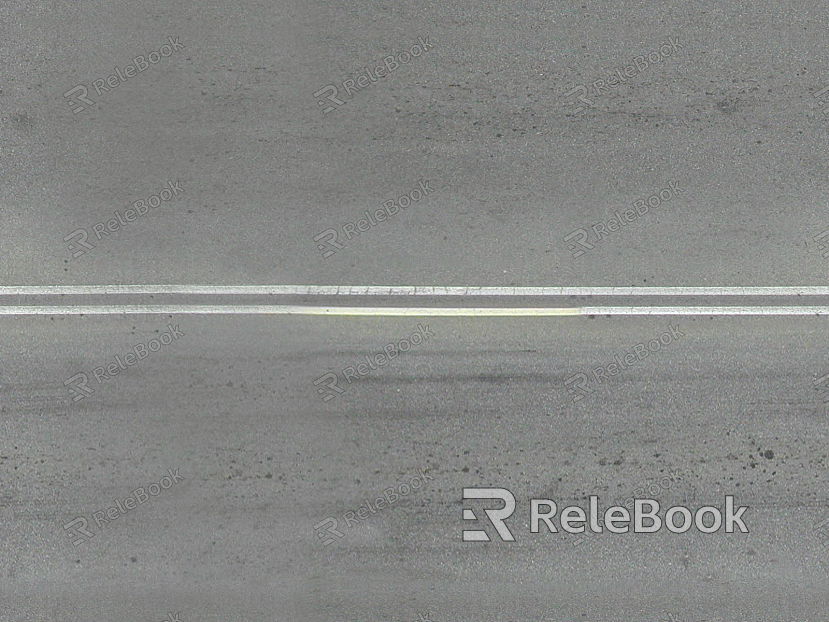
pixel 483 403
pixel 730 117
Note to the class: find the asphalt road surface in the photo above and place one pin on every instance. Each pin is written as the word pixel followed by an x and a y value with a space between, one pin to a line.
pixel 191 450
pixel 231 406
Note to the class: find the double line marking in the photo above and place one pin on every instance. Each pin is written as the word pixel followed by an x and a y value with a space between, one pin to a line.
pixel 792 306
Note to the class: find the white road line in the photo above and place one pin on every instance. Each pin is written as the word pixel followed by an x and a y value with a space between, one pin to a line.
pixel 729 310
pixel 277 310
pixel 404 290
pixel 403 311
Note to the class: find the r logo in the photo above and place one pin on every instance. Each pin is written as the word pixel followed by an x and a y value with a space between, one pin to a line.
pixel 583 91
pixel 78 89
pixel 332 97
pixel 331 384
pixel 822 245
pixel 79 382
pixel 82 530
pixel 582 236
pixel 331 242
pixel 819 94
pixel 496 517
pixel 579 390
pixel 817 384
pixel 332 529
pixel 81 241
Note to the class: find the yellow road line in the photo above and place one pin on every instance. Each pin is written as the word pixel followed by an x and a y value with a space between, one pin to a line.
pixel 283 310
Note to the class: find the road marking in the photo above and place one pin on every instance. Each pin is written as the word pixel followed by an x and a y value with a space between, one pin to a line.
pixel 280 310
pixel 403 290
pixel 403 311
pixel 729 310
